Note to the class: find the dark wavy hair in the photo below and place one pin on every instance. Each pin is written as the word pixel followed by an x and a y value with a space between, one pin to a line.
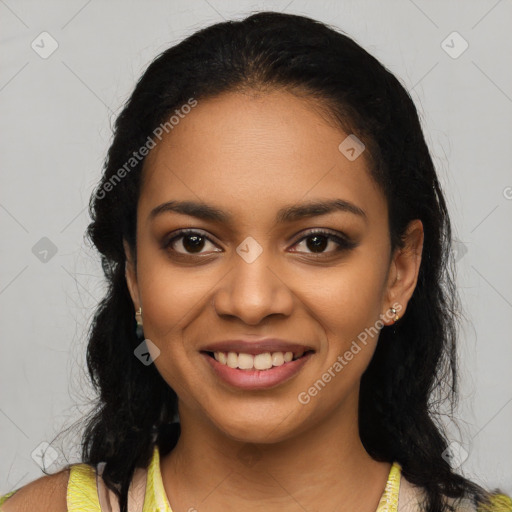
pixel 414 369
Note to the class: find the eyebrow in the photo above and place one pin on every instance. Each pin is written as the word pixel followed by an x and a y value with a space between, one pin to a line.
pixel 289 213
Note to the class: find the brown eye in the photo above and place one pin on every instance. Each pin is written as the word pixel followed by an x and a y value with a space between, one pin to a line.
pixel 187 242
pixel 193 243
pixel 318 241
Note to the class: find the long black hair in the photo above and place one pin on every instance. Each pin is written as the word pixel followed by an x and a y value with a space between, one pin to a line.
pixel 413 370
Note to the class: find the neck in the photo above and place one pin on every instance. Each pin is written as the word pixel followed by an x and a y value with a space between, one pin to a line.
pixel 323 467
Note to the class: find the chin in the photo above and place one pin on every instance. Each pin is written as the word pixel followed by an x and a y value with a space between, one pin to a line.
pixel 256 428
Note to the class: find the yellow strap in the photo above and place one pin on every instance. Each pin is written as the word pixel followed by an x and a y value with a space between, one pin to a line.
pixel 82 493
pixel 389 499
pixel 3 498
pixel 156 498
pixel 499 503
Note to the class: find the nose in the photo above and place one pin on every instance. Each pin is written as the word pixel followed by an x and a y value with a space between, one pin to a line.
pixel 252 291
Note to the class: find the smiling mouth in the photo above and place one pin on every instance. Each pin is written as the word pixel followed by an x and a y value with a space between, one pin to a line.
pixel 263 361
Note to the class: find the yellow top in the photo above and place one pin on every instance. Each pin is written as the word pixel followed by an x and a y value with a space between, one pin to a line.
pixel 83 494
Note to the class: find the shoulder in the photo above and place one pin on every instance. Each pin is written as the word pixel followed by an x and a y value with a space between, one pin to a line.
pixel 46 494
pixel 499 503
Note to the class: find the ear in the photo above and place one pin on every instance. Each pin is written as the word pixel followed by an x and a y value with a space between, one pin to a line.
pixel 131 275
pixel 404 270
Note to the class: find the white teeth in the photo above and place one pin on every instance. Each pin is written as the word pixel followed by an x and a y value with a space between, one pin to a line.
pixel 277 358
pixel 263 361
pixel 245 361
pixel 232 360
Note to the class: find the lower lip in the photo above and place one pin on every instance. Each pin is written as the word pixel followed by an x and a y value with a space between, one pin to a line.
pixel 257 379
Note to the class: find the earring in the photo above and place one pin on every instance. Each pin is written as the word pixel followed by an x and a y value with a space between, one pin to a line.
pixel 138 318
pixel 393 310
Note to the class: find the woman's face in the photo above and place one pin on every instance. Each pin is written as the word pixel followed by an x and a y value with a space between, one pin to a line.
pixel 257 271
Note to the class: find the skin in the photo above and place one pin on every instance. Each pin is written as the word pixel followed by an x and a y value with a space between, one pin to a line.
pixel 249 155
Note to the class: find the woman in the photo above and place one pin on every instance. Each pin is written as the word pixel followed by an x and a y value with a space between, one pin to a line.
pixel 280 318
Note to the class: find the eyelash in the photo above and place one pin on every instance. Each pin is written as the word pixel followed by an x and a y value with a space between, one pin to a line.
pixel 344 243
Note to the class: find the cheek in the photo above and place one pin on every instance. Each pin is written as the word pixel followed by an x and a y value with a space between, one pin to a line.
pixel 170 295
pixel 347 302
pixel 350 295
pixel 168 299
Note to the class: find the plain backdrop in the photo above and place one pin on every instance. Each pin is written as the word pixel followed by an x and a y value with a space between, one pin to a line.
pixel 55 125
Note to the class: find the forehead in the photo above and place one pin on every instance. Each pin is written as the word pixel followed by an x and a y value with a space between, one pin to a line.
pixel 241 150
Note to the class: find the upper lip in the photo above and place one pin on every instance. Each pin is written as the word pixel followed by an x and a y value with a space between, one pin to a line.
pixel 257 346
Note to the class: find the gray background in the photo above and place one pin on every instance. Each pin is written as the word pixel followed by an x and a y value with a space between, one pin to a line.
pixel 55 125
